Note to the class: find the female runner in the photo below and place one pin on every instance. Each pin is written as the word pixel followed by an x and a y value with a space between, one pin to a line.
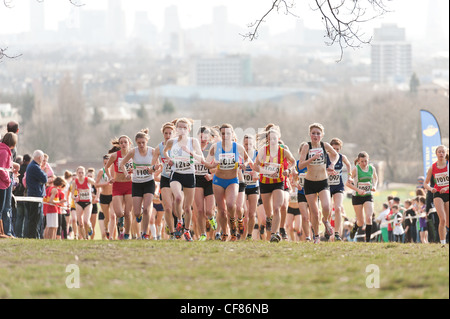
pixel 145 164
pixel 121 183
pixel 313 156
pixel 270 163
pixel 225 156
pixel 184 150
pixel 439 172
pixel 364 184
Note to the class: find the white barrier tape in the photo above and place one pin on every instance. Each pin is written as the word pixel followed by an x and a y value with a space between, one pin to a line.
pixel 375 234
pixel 29 199
pixel 36 200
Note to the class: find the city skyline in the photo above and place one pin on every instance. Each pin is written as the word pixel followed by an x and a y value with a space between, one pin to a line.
pixel 415 17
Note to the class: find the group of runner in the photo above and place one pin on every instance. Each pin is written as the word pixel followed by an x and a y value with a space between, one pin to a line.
pixel 214 187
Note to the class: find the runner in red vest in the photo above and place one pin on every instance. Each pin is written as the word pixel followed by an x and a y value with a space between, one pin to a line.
pixel 439 171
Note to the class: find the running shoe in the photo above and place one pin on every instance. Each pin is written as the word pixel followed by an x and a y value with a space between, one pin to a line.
pixel 139 219
pixel 202 238
pixel 328 229
pixel 233 237
pixel 224 237
pixel 317 240
pixel 187 236
pixel 283 234
pixel 275 238
pixel 233 226
pixel 217 237
pixel 178 234
pixel 337 237
pixel 90 230
pixel 145 237
pixel 120 222
pixel 241 226
pixel 180 226
pixel 213 223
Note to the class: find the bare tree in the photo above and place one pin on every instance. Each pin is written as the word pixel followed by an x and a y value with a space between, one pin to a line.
pixel 342 19
pixel 3 54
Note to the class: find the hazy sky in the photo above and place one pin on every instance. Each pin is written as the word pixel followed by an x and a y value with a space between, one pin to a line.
pixel 411 14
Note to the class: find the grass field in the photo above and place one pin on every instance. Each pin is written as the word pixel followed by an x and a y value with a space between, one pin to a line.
pixel 216 270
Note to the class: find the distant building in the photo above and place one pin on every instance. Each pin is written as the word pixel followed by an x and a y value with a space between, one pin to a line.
pixel 391 56
pixel 228 70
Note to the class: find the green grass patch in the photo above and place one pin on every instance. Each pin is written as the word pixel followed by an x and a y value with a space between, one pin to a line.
pixel 216 270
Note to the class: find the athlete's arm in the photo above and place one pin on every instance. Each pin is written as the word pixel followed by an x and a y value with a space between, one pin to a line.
pixel 166 150
pixel 334 157
pixel 210 161
pixel 110 162
pixel 426 183
pixel 125 160
pixel 247 159
pixel 156 164
pixel 374 180
pixel 352 186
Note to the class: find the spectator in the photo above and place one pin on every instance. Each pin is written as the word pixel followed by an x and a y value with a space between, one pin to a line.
pixel 399 232
pixel 19 192
pixel 421 201
pixel 410 223
pixel 7 144
pixel 420 181
pixel 45 166
pixel 36 179
pixel 383 222
pixel 6 213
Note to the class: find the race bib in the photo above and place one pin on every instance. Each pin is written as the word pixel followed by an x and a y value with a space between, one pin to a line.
pixel 269 170
pixel 141 171
pixel 227 161
pixel 201 169
pixel 441 179
pixel 248 179
pixel 167 167
pixel 128 166
pixel 84 195
pixel 334 180
pixel 367 187
pixel 182 164
pixel 320 160
pixel 301 179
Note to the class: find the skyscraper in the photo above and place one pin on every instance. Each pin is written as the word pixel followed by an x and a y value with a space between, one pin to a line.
pixel 391 55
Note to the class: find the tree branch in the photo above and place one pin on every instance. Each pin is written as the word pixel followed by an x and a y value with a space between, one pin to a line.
pixel 341 18
pixel 277 5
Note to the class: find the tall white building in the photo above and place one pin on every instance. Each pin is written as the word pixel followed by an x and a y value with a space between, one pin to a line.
pixel 391 55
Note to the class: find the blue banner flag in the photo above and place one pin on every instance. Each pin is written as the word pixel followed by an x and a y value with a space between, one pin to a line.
pixel 431 139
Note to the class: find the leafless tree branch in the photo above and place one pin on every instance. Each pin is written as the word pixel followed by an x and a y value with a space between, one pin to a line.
pixel 4 55
pixel 283 6
pixel 342 19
